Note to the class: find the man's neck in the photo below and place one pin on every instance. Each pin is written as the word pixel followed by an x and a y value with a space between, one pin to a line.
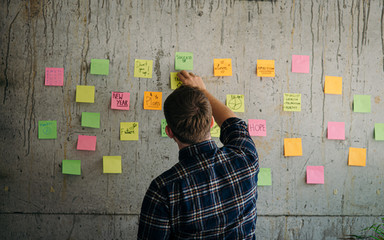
pixel 184 145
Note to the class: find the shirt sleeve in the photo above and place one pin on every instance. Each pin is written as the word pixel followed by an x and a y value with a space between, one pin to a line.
pixel 154 216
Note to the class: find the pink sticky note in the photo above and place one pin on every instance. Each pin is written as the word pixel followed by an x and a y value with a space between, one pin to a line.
pixel 300 63
pixel 336 130
pixel 87 143
pixel 315 174
pixel 257 127
pixel 120 100
pixel 54 76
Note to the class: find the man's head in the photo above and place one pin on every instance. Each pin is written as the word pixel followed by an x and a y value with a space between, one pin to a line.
pixel 188 114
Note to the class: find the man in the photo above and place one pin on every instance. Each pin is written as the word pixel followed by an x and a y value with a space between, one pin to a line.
pixel 211 192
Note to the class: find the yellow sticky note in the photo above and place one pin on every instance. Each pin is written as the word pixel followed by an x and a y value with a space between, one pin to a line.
pixel 357 156
pixel 175 81
pixel 85 94
pixel 111 164
pixel 293 147
pixel 265 68
pixel 152 100
pixel 129 131
pixel 143 68
pixel 222 67
pixel 235 102
pixel 333 85
pixel 292 102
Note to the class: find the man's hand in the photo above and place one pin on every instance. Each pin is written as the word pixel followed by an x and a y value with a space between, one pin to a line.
pixel 191 80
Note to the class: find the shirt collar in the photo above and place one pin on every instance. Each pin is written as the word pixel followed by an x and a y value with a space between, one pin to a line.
pixel 192 151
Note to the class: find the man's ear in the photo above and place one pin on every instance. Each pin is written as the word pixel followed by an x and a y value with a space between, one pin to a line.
pixel 169 132
pixel 212 122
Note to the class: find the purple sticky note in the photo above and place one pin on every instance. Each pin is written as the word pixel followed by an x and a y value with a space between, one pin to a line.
pixel 257 127
pixel 54 76
pixel 336 130
pixel 87 143
pixel 300 63
pixel 120 100
pixel 315 174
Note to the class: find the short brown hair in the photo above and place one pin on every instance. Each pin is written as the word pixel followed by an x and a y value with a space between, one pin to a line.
pixel 188 114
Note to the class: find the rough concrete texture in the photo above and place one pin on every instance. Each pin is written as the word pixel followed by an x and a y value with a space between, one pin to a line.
pixel 342 37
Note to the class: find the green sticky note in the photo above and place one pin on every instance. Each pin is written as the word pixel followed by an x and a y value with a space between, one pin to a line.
pixel 379 131
pixel 143 68
pixel 112 164
pixel 215 130
pixel 163 125
pixel 175 81
pixel 72 167
pixel 362 103
pixel 264 178
pixel 47 130
pixel 184 61
pixel 292 102
pixel 90 119
pixel 235 102
pixel 100 66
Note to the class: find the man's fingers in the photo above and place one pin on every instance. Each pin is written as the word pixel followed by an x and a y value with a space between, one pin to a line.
pixel 193 75
pixel 184 74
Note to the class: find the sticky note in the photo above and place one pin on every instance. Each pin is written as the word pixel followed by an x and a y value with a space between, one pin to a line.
pixel 215 130
pixel 292 147
pixel 129 131
pixel 357 156
pixel 100 66
pixel 235 102
pixel 292 102
pixel 257 127
pixel 112 164
pixel 315 174
pixel 90 119
pixel 72 167
pixel 143 68
pixel 336 130
pixel 379 131
pixel 120 100
pixel 175 81
pixel 152 100
pixel 184 61
pixel 87 143
pixel 300 63
pixel 47 130
pixel 264 178
pixel 265 68
pixel 85 94
pixel 54 76
pixel 333 85
pixel 163 125
pixel 362 103
pixel 222 67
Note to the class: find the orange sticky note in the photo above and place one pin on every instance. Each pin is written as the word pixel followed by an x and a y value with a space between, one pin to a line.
pixel 152 100
pixel 293 147
pixel 357 156
pixel 222 67
pixel 333 85
pixel 265 68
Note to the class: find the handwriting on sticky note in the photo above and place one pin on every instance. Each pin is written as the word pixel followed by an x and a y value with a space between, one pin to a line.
pixel 112 164
pixel 379 131
pixel 72 167
pixel 143 68
pixel 90 119
pixel 300 63
pixel 120 100
pixel 292 147
pixel 47 130
pixel 222 67
pixel 152 100
pixel 315 174
pixel 235 102
pixel 100 66
pixel 264 177
pixel 175 81
pixel 292 102
pixel 265 68
pixel 333 85
pixel 129 131
pixel 215 130
pixel 257 127
pixel 362 103
pixel 184 61
pixel 336 130
pixel 86 143
pixel 85 94
pixel 54 76
pixel 357 156
pixel 163 126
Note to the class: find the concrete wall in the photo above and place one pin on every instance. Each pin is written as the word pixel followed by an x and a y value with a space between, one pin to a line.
pixel 343 38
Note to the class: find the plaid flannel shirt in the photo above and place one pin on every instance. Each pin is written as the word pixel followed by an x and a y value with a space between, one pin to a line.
pixel 209 194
